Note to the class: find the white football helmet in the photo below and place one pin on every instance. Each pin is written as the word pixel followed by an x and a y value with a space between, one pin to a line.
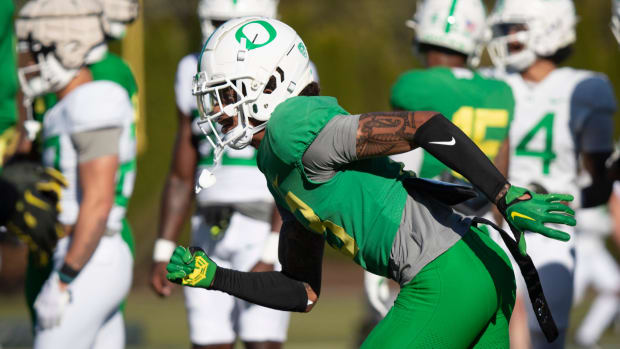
pixel 211 11
pixel 237 62
pixel 456 25
pixel 55 39
pixel 541 27
pixel 117 14
pixel 615 19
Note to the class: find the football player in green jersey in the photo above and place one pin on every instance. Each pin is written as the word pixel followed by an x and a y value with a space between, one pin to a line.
pixel 331 179
pixel 449 37
pixel 448 41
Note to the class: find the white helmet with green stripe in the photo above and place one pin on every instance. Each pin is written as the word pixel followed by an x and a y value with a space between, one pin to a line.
pixel 458 25
pixel 212 11
pixel 238 61
pixel 526 29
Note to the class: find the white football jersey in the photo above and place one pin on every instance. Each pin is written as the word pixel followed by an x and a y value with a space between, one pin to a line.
pixel 92 106
pixel 543 148
pixel 238 178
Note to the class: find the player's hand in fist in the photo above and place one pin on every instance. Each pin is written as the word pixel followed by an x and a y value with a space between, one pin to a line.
pixel 524 210
pixel 191 267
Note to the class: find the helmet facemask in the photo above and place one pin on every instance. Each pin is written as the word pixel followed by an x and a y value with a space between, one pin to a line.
pixel 509 47
pixel 525 30
pixel 40 71
pixel 231 98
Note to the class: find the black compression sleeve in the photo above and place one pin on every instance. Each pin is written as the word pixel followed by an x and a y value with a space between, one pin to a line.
pixel 9 199
pixel 271 289
pixel 442 139
pixel 598 192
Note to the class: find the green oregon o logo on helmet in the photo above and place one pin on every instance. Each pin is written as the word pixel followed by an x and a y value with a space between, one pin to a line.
pixel 256 33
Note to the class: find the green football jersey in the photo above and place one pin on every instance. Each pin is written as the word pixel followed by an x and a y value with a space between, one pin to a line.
pixel 481 107
pixel 359 210
pixel 8 64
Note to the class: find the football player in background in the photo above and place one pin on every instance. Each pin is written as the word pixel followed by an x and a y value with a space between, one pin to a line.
pixel 117 14
pixel 449 37
pixel 595 266
pixel 235 221
pixel 88 135
pixel 563 121
pixel 615 19
pixel 332 181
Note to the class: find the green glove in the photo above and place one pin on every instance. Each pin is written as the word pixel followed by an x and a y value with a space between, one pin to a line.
pixel 191 267
pixel 532 214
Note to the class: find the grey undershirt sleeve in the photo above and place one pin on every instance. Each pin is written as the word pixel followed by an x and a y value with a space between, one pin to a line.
pixel 333 147
pixel 96 143
pixel 592 110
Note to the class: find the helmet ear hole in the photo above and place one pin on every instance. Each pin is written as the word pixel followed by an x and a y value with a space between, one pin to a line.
pixel 281 72
pixel 255 108
pixel 271 85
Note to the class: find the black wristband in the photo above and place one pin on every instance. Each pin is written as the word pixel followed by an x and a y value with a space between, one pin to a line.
pixel 271 289
pixel 442 139
pixel 67 274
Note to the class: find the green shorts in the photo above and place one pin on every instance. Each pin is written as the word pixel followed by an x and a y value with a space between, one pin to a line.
pixel 462 299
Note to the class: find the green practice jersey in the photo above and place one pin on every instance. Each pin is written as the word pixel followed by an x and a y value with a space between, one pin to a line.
pixel 481 107
pixel 8 74
pixel 358 210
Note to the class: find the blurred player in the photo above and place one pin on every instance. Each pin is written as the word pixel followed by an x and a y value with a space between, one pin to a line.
pixel 615 19
pixel 8 80
pixel 595 266
pixel 233 220
pixel 88 136
pixel 449 38
pixel 563 121
pixel 332 181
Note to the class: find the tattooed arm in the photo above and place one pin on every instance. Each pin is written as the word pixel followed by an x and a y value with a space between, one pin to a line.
pixel 388 133
pixel 381 134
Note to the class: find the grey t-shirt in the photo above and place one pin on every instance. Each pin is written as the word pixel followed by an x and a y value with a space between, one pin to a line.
pixel 428 228
pixel 96 143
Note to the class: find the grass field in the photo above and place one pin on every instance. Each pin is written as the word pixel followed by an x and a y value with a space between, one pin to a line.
pixel 160 324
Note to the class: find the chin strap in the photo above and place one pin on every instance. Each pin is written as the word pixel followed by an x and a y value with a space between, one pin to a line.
pixel 532 280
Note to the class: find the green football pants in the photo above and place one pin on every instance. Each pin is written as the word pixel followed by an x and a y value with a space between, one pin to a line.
pixel 462 299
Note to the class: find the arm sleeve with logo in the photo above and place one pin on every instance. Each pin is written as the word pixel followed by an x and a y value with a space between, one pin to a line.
pixel 450 145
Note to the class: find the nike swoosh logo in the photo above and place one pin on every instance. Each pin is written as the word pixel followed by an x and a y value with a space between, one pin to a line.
pixel 517 214
pixel 448 143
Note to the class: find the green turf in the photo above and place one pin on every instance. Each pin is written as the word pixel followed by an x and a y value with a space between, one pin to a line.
pixel 161 324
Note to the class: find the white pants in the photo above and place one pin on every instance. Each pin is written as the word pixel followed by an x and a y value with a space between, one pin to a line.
pixel 93 318
pixel 215 317
pixel 596 267
pixel 555 262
